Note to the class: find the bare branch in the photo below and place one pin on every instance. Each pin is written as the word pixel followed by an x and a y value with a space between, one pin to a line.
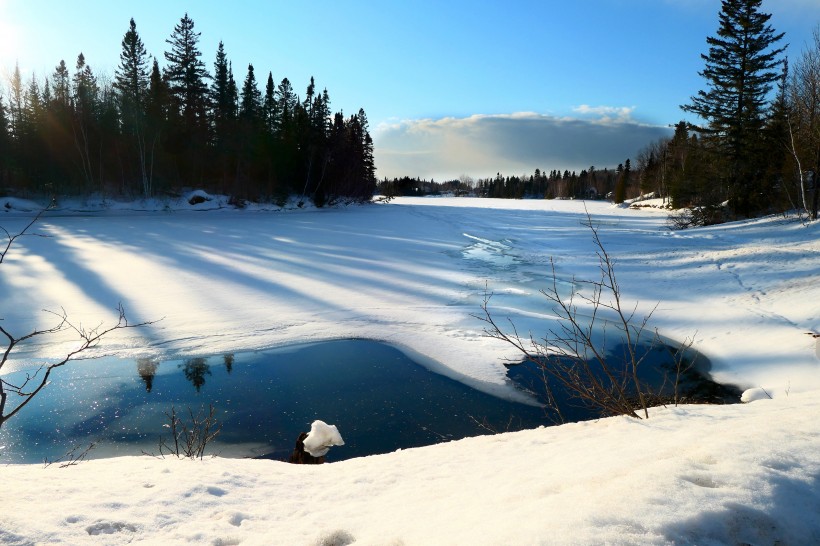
pixel 570 355
pixel 12 238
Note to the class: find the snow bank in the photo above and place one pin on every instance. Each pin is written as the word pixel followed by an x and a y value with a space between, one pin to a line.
pixel 745 474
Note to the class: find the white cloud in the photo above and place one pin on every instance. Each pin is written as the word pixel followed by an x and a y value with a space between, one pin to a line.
pixel 606 113
pixel 481 145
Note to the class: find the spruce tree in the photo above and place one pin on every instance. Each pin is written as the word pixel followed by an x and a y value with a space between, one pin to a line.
pixel 16 101
pixel 740 69
pixel 250 99
pixel 269 105
pixel 85 95
pixel 131 76
pixel 222 108
pixel 186 75
pixel 4 125
pixel 62 84
pixel 286 102
pixel 157 105
pixel 131 84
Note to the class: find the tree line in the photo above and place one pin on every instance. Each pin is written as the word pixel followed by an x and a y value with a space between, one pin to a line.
pixel 150 130
pixel 753 151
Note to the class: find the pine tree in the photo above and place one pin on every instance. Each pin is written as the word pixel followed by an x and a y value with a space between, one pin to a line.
pixel 62 85
pixel 131 84
pixel 740 69
pixel 250 99
pixel 84 97
pixel 286 102
pixel 131 76
pixel 368 161
pixel 16 101
pixel 222 107
pixel 186 75
pixel 157 104
pixel 269 105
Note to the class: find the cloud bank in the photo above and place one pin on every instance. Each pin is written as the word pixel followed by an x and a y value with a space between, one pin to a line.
pixel 482 145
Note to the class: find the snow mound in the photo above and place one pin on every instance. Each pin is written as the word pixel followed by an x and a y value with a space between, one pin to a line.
pixel 321 438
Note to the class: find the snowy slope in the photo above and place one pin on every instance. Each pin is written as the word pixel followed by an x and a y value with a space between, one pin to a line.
pixel 412 273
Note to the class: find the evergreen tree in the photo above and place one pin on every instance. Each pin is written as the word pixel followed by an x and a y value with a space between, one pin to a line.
pixel 4 125
pixel 131 84
pixel 157 105
pixel 368 161
pixel 740 69
pixel 84 96
pixel 233 93
pixel 250 104
pixel 62 85
pixel 222 107
pixel 186 75
pixel 269 105
pixel 131 76
pixel 286 102
pixel 250 132
pixel 16 101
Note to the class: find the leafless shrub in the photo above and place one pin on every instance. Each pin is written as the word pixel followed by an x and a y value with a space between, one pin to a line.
pixel 570 354
pixel 707 215
pixel 189 439
pixel 73 456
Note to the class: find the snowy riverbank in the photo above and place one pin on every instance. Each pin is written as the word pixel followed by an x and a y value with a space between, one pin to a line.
pixel 413 272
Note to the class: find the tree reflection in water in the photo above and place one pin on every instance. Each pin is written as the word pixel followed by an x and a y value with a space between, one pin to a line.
pixel 195 370
pixel 147 369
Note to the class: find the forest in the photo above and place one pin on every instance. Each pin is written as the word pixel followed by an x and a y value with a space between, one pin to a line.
pixel 756 151
pixel 151 131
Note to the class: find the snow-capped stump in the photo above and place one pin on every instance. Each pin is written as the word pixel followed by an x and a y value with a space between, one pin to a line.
pixel 311 447
pixel 197 197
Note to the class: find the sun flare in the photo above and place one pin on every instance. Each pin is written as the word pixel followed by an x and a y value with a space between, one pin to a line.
pixel 9 40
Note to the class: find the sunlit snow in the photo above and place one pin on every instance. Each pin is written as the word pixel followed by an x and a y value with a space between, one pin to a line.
pixel 414 273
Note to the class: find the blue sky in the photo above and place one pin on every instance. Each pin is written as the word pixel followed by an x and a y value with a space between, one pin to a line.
pixel 449 87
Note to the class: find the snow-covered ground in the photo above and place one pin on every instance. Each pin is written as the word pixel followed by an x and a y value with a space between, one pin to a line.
pixel 413 273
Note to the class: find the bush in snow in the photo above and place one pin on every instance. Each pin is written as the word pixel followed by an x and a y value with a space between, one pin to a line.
pixel 570 354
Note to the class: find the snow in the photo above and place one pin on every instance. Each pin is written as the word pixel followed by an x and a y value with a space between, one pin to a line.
pixel 413 273
pixel 321 438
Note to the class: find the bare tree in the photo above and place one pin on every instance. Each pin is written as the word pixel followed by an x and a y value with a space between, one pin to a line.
pixel 570 353
pixel 804 129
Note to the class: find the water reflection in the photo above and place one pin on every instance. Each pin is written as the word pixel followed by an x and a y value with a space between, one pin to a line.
pixel 147 369
pixel 195 370
pixel 380 400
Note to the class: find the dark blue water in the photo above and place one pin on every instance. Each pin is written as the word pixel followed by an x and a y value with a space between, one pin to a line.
pixel 663 378
pixel 378 398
